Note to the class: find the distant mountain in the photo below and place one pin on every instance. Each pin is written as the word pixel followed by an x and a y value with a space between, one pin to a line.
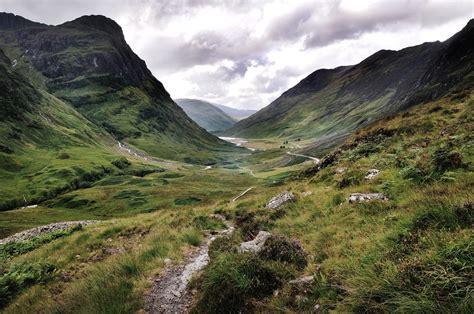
pixel 236 114
pixel 207 115
pixel 87 63
pixel 331 103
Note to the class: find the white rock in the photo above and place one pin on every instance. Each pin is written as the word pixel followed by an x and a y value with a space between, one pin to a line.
pixel 365 197
pixel 256 244
pixel 341 170
pixel 372 173
pixel 280 199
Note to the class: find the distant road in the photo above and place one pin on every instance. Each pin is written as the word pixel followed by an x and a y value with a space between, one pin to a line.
pixel 316 160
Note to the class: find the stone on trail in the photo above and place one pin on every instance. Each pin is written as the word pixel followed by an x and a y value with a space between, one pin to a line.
pixel 256 244
pixel 365 197
pixel 280 199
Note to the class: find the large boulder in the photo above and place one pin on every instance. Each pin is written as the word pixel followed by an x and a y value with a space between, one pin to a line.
pixel 280 199
pixel 256 244
pixel 365 197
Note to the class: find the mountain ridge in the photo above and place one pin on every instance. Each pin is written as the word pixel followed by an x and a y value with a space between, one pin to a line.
pixel 87 63
pixel 340 100
pixel 206 114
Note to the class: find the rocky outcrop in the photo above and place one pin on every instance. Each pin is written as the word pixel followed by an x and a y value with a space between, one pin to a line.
pixel 280 199
pixel 256 244
pixel 365 197
pixel 372 173
pixel 35 232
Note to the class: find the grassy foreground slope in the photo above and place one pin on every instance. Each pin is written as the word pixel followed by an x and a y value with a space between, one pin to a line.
pixel 87 63
pixel 332 102
pixel 411 253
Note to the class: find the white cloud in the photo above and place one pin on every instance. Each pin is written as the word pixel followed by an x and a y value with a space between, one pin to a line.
pixel 245 53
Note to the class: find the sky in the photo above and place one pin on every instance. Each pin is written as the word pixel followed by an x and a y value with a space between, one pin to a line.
pixel 246 53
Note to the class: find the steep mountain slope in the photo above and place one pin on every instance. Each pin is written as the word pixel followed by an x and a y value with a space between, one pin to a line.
pixel 45 145
pixel 236 114
pixel 88 63
pixel 205 114
pixel 337 101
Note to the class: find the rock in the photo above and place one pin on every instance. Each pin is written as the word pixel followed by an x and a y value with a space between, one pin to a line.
pixel 302 283
pixel 364 197
pixel 307 193
pixel 341 170
pixel 280 199
pixel 167 261
pixel 35 232
pixel 372 173
pixel 256 244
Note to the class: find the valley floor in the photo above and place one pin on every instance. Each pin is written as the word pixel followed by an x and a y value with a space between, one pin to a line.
pixel 411 252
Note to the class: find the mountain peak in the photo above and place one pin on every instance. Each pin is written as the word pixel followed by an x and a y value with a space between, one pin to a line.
pixel 99 22
pixel 12 21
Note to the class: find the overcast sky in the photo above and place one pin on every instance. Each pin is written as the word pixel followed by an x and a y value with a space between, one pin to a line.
pixel 244 54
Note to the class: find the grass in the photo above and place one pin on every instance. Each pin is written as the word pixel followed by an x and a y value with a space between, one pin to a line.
pixel 410 253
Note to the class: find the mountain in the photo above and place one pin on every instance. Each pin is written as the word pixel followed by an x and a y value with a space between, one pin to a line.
pixel 236 114
pixel 334 102
pixel 46 146
pixel 88 64
pixel 205 114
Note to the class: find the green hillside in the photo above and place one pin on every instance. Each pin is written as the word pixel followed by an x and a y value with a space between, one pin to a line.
pixel 205 114
pixel 171 219
pixel 331 102
pixel 87 63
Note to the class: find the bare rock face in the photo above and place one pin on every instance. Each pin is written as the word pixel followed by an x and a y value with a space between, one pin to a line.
pixel 256 244
pixel 372 173
pixel 280 199
pixel 365 197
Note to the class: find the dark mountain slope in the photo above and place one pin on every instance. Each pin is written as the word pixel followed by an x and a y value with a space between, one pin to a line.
pixel 337 101
pixel 207 115
pixel 88 63
pixel 45 145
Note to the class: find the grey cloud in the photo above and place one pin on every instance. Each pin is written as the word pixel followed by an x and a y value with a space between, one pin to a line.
pixel 320 26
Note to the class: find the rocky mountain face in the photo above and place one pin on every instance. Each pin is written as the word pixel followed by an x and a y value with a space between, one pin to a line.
pixel 331 102
pixel 88 63
pixel 205 114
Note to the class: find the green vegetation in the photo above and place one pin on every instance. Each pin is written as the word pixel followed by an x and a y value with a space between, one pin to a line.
pixel 206 115
pixel 412 252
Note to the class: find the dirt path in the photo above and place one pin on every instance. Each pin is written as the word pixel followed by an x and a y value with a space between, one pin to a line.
pixel 170 293
pixel 316 160
pixel 134 153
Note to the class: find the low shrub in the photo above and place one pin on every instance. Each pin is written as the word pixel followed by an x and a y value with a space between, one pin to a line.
pixel 64 155
pixel 232 281
pixel 222 245
pixel 208 223
pixel 12 249
pixel 193 237
pixel 121 163
pixel 279 248
pixel 350 178
pixel 445 158
pixel 22 275
pixel 186 201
